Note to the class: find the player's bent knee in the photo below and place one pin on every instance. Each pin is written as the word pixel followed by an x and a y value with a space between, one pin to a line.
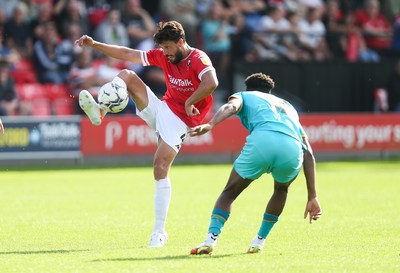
pixel 283 187
pixel 127 75
pixel 161 169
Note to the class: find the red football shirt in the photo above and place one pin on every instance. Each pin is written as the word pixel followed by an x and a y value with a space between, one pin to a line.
pixel 363 20
pixel 182 80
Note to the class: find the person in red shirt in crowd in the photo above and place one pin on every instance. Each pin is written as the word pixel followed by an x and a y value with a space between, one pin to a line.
pixel 374 26
pixel 190 80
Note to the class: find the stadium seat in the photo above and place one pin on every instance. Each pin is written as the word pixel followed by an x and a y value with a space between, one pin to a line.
pixel 41 107
pixel 24 72
pixel 63 106
pixel 31 91
pixel 56 91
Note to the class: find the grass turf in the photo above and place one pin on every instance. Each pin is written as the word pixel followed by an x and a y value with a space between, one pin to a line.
pixel 100 220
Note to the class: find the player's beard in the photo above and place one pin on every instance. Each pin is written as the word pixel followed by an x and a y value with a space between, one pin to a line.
pixel 178 57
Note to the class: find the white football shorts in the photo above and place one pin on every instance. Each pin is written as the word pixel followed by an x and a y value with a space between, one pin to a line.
pixel 166 124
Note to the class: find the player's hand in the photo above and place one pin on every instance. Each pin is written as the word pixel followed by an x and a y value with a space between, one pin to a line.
pixel 200 130
pixel 313 209
pixel 191 110
pixel 85 40
pixel 1 127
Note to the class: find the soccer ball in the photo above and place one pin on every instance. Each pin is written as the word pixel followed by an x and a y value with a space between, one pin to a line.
pixel 113 97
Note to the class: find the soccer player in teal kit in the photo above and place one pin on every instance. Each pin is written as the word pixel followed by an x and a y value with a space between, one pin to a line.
pixel 277 144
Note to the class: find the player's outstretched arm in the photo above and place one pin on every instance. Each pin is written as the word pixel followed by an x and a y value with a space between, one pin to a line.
pixel 1 127
pixel 225 111
pixel 115 51
pixel 313 208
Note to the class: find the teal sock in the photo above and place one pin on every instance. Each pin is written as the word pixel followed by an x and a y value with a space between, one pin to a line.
pixel 268 222
pixel 218 219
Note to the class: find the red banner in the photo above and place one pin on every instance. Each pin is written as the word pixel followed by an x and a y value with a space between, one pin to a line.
pixel 327 132
pixel 352 132
pixel 130 135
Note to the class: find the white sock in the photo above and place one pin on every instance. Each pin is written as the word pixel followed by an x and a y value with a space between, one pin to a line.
pixel 162 198
pixel 211 239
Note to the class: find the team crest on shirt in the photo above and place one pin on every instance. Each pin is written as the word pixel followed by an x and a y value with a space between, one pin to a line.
pixel 188 62
pixel 205 61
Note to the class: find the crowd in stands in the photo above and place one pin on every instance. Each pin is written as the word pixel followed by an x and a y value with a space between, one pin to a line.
pixel 38 55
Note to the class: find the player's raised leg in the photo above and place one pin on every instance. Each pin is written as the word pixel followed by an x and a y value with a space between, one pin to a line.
pixel 126 79
pixel 91 108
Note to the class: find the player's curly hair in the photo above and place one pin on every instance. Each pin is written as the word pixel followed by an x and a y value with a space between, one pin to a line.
pixel 169 31
pixel 260 82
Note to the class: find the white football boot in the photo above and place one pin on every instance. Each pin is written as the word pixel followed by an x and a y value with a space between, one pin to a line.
pixel 256 245
pixel 91 108
pixel 158 239
pixel 207 247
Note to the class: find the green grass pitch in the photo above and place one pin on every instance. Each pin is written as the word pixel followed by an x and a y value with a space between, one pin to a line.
pixel 100 220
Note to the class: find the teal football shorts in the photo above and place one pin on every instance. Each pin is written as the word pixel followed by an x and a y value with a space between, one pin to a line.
pixel 270 152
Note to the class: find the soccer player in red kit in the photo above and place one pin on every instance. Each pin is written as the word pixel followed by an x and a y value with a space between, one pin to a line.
pixel 190 79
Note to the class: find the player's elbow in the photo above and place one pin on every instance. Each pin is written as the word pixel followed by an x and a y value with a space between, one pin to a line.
pixel 213 85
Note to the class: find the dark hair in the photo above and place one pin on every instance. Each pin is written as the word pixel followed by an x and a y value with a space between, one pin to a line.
pixel 169 31
pixel 260 82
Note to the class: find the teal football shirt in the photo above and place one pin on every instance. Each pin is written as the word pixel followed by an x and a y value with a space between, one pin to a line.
pixel 275 142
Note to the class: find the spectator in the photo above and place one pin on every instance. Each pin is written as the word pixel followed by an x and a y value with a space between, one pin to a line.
pixel 32 9
pixel 312 35
pixel 139 24
pixel 215 31
pixel 108 70
pixel 335 29
pixel 66 51
pixel 3 18
pixel 393 88
pixel 74 12
pixel 353 43
pixel 83 74
pixel 45 15
pixel 46 56
pixel 17 32
pixel 252 11
pixel 291 39
pixel 153 8
pixel 307 4
pixel 241 39
pixel 269 39
pixel 111 30
pixel 7 54
pixel 140 27
pixel 183 11
pixel 374 26
pixel 8 7
pixel 8 95
pixel 344 37
pixel 97 11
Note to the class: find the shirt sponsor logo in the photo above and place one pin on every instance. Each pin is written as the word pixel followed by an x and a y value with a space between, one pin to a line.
pixel 179 82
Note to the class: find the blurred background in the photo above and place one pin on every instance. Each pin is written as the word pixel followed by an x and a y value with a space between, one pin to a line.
pixel 336 61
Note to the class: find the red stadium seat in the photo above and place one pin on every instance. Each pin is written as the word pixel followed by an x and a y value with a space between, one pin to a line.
pixel 41 107
pixel 63 106
pixel 56 91
pixel 31 91
pixel 24 72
